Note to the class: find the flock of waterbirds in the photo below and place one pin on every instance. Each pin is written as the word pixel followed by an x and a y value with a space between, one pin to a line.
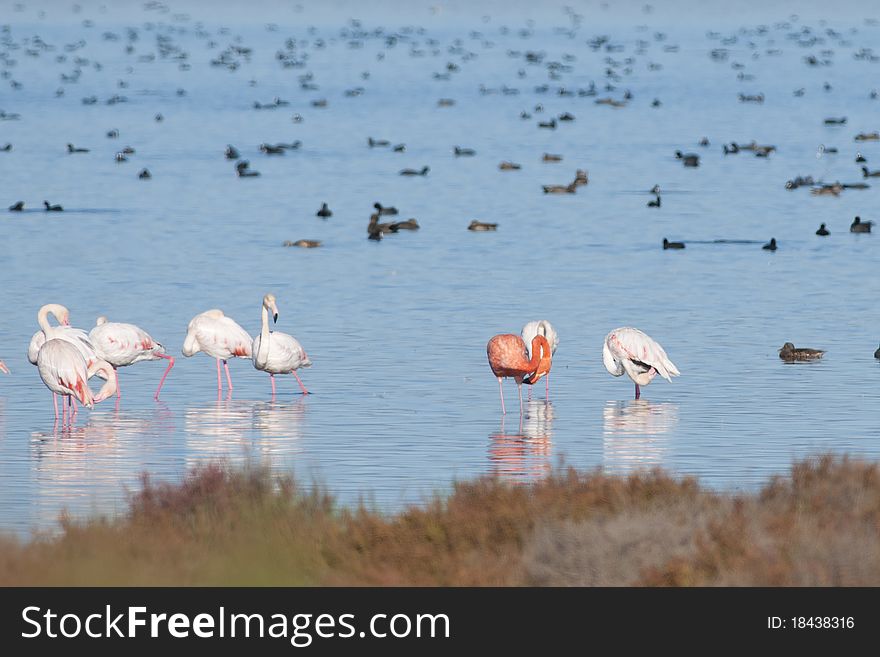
pixel 73 356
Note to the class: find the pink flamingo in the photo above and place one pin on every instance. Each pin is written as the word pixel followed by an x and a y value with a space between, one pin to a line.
pixel 219 337
pixel 631 352
pixel 63 370
pixel 546 329
pixel 275 352
pixel 508 357
pixel 125 344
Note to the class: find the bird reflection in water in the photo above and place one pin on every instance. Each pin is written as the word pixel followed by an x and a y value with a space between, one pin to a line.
pixel 244 428
pixel 634 435
pixel 522 456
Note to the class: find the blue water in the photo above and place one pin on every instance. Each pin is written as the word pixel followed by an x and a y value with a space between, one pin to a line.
pixel 403 400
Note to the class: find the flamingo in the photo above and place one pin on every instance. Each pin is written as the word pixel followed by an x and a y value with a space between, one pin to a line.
pixel 3 367
pixel 628 350
pixel 219 337
pixel 63 370
pixel 545 328
pixel 509 357
pixel 278 353
pixel 125 344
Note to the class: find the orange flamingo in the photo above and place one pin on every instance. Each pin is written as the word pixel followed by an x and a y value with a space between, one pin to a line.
pixel 508 357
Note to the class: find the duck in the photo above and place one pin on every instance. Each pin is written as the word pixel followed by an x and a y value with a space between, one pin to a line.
pixel 791 353
pixel 113 134
pixel 580 178
pixel 550 157
pixel 145 174
pixel 832 189
pixel 835 121
pixel 373 143
pixel 268 149
pixel 771 245
pixel 232 153
pixel 860 158
pixel 655 203
pixel 672 245
pixel 466 152
pixel 381 210
pixel 415 172
pixel 548 124
pixel 859 226
pixel 560 189
pixel 305 244
pixel 409 224
pixel 243 170
pixel 688 159
pixel 866 173
pixel 399 148
pixel 52 208
pixel 823 232
pixel 867 136
pixel 566 116
pixel 375 227
pixel 324 212
pixel 73 149
pixel 733 149
pixel 481 226
pixel 704 141
pixel 655 190
pixel 121 157
pixel 509 166
pixel 877 353
pixel 17 206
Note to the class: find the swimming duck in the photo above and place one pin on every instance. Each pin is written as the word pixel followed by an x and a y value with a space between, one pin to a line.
pixel 859 226
pixel 823 232
pixel 867 136
pixel 547 124
pixel 688 159
pixel 481 226
pixel 113 134
pixel 375 227
pixel 52 208
pixel 525 115
pixel 870 174
pixel 242 168
pixel 509 166
pixel 409 224
pixel 655 203
pixel 232 153
pixel 445 102
pixel 17 207
pixel 383 210
pixel 272 150
pixel 305 244
pixel 580 178
pixel 833 189
pixel 835 121
pixel 464 151
pixel 73 149
pixel 733 149
pixel 860 158
pixel 791 353
pixel 120 157
pixel 145 174
pixel 877 353
pixel 414 172
pixel 373 143
pixel 6 147
pixel 704 141
pixel 560 189
pixel 550 157
pixel 324 212
pixel 672 245
pixel 771 245
pixel 399 148
pixel 566 116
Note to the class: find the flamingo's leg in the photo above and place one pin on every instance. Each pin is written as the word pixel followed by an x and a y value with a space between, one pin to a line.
pixel 305 392
pixel 73 408
pixel 63 411
pixel 501 391
pixel 228 378
pixel 530 393
pixel 638 392
pixel 219 379
pixel 547 387
pixel 272 379
pixel 55 402
pixel 167 369
pixel 118 391
pixel 519 389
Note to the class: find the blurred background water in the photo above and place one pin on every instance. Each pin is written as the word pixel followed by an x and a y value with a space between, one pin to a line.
pixel 403 400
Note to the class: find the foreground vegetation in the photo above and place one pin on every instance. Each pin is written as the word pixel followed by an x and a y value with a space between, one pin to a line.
pixel 820 525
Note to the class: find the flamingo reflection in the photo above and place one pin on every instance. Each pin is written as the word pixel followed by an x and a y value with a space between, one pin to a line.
pixel 522 455
pixel 634 435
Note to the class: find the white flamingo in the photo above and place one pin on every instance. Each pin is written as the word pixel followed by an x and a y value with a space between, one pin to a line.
pixel 219 337
pixel 278 353
pixel 545 328
pixel 631 352
pixel 64 331
pixel 63 369
pixel 125 344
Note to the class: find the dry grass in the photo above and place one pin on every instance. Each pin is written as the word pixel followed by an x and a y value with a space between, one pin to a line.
pixel 818 526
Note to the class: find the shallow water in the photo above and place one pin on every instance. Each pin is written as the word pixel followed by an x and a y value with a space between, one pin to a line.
pixel 403 400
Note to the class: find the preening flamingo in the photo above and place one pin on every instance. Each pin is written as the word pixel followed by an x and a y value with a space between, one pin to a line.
pixel 509 357
pixel 218 336
pixel 545 328
pixel 631 352
pixel 63 369
pixel 278 353
pixel 125 344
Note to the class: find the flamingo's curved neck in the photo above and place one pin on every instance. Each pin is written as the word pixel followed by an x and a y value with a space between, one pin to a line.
pixel 263 352
pixel 43 319
pixel 539 346
pixel 109 388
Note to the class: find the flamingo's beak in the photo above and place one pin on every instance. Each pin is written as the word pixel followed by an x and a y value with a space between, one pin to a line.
pixel 275 318
pixel 66 321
